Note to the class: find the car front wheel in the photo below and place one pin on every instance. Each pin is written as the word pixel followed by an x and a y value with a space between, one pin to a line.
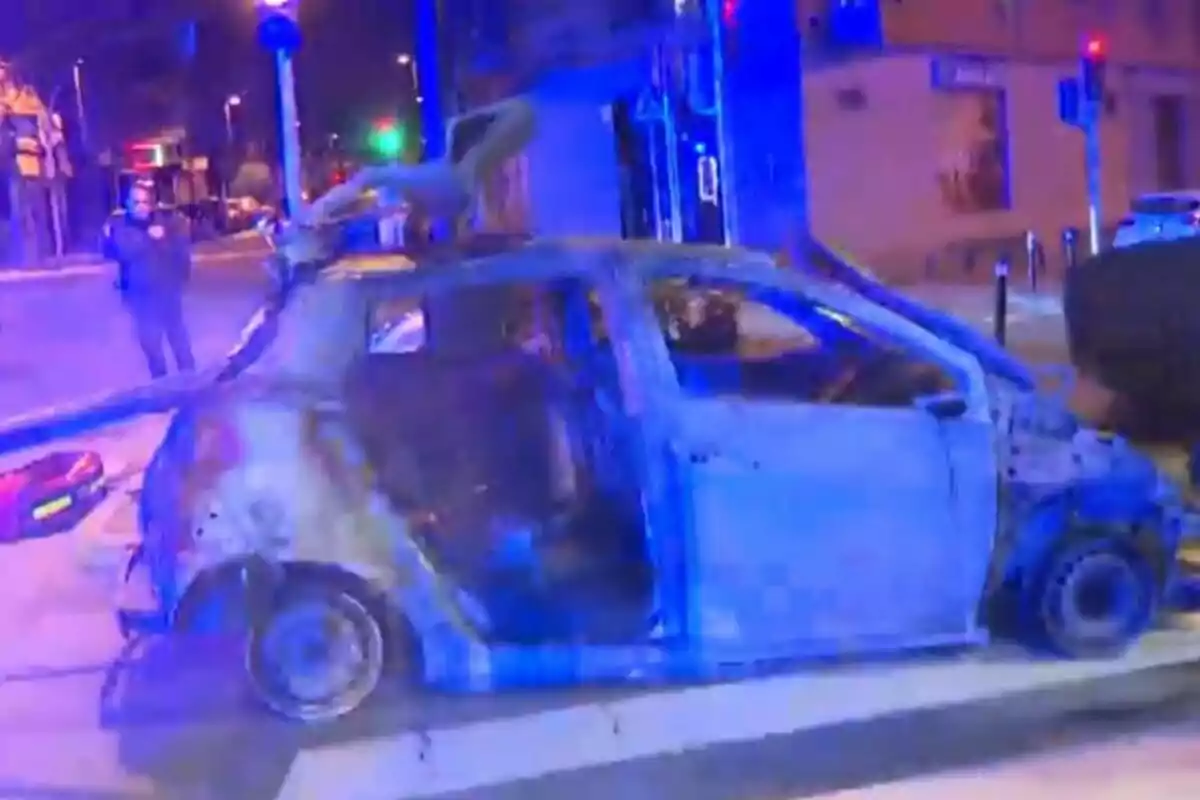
pixel 317 654
pixel 1093 599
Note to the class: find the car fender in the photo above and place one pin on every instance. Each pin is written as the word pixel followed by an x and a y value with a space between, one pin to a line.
pixel 214 527
pixel 232 596
pixel 1088 512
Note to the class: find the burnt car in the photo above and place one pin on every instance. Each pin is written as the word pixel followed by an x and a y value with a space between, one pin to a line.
pixel 617 461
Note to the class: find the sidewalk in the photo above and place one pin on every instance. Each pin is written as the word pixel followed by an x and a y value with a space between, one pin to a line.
pixel 972 261
pixel 70 340
pixel 1035 331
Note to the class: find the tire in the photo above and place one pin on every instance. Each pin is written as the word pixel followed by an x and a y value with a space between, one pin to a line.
pixel 1091 599
pixel 309 628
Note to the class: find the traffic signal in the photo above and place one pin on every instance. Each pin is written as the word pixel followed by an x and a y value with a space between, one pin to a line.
pixel 389 139
pixel 279 25
pixel 729 12
pixel 1093 66
pixel 1070 107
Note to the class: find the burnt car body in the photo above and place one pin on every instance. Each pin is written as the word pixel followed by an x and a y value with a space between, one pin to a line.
pixel 620 461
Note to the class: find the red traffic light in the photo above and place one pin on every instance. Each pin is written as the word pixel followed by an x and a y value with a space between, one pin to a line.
pixel 1095 48
pixel 729 12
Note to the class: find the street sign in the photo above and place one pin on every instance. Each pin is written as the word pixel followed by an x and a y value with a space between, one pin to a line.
pixel 953 73
pixel 1070 102
pixel 648 108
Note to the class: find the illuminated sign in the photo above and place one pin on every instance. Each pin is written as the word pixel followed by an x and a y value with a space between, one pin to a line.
pixel 957 72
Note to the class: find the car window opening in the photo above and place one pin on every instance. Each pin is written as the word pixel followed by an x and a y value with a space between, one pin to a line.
pixel 726 342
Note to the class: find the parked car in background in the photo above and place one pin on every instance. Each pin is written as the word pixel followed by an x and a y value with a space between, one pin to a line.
pixel 1160 216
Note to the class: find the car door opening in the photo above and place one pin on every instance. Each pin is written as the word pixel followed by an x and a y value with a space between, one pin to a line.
pixel 509 451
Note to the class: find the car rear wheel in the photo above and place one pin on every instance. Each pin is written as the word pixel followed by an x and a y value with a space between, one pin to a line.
pixel 1092 599
pixel 317 654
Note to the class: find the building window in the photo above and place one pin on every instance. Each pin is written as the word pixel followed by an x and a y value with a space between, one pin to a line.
pixel 973 171
pixel 1168 141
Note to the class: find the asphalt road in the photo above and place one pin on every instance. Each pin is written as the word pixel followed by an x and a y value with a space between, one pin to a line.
pixel 64 335
pixel 84 714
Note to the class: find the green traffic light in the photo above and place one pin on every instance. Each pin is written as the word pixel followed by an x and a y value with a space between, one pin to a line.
pixel 388 140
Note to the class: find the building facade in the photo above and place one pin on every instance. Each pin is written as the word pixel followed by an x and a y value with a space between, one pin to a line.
pixel 935 122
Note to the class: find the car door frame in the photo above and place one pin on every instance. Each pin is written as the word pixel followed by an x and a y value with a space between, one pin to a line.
pixel 969 439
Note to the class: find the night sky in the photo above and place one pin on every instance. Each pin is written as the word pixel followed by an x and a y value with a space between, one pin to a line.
pixel 348 65
pixel 346 72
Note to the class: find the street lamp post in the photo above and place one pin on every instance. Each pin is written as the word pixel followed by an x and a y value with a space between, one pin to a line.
pixel 279 32
pixel 80 114
pixel 428 70
pixel 231 102
pixel 406 60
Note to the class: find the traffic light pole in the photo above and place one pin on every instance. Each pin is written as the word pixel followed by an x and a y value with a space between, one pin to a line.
pixel 1093 113
pixel 429 76
pixel 289 132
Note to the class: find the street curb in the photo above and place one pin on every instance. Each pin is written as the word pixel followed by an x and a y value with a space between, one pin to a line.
pixel 659 737
pixel 861 754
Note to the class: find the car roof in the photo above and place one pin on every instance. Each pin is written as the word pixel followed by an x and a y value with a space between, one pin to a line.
pixel 1175 194
pixel 540 257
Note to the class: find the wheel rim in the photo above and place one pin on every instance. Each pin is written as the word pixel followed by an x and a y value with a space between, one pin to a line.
pixel 1100 598
pixel 315 660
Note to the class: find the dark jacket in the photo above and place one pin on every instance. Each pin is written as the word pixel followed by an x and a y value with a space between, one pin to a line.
pixel 149 267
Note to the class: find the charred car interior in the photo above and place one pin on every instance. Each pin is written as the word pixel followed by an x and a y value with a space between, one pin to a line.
pixel 505 436
pixel 500 427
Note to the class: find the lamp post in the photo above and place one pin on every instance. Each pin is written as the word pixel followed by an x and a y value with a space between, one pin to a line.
pixel 227 169
pixel 427 59
pixel 279 32
pixel 406 60
pixel 80 114
pixel 231 102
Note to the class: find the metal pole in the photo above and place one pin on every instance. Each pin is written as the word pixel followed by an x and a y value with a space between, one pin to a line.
pixel 56 218
pixel 229 126
pixel 674 193
pixel 415 80
pixel 1070 247
pixel 655 193
pixel 724 146
pixel 428 78
pixel 1000 315
pixel 289 132
pixel 666 107
pixel 80 113
pixel 226 167
pixel 1032 267
pixel 1091 146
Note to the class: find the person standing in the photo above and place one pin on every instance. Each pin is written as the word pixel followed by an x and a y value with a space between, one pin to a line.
pixel 392 223
pixel 154 263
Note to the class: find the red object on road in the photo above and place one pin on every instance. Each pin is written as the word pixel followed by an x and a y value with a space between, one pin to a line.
pixel 50 494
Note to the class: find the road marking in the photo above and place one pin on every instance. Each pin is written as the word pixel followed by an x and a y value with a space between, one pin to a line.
pixel 421 764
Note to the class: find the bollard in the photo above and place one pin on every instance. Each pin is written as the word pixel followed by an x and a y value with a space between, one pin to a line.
pixel 1000 315
pixel 1070 246
pixel 1035 259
